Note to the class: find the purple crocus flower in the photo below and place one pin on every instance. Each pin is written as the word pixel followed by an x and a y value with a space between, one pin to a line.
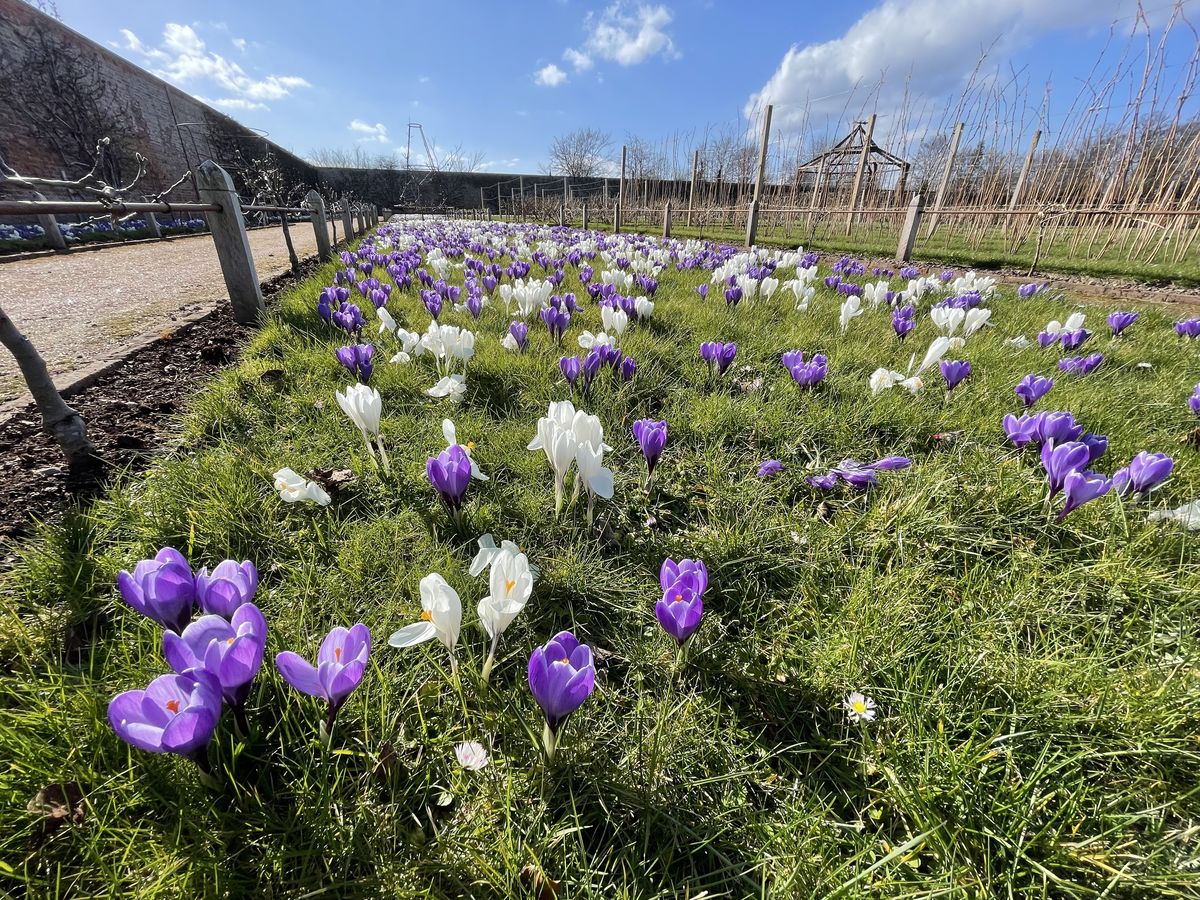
pixel 229 586
pixel 1073 340
pixel 651 437
pixel 349 318
pixel 1081 365
pixel 475 305
pixel 628 368
pixel 733 296
pixel 1119 321
pixel 450 474
pixel 1144 473
pixel 702 290
pixel 341 663
pixel 1046 338
pixel 769 467
pixel 489 283
pixel 433 302
pixel 562 675
pixel 910 272
pixel 1026 291
pixel 174 714
pixel 357 358
pixel 520 334
pixel 826 482
pixel 903 321
pixel 955 371
pixel 718 355
pixel 891 463
pixel 1194 401
pixel 230 651
pixel 679 612
pixel 1097 445
pixel 1059 427
pixel 1032 388
pixel 1060 460
pixel 595 358
pixel 557 321
pixel 690 572
pixel 1189 328
pixel 806 374
pixel 1081 487
pixel 855 473
pixel 1021 429
pixel 162 589
pixel 570 367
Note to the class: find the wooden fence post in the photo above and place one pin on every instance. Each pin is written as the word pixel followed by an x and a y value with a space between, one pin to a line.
pixel 316 207
pixel 562 212
pixel 752 217
pixel 54 235
pixel 620 193
pixel 908 234
pixel 228 229
pixel 941 191
pixel 667 219
pixel 152 226
pixel 585 217
pixel 347 225
pixel 692 189
pixel 858 173
pixel 1028 164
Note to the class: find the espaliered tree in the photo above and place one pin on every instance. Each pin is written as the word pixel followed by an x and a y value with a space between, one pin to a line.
pixel 58 418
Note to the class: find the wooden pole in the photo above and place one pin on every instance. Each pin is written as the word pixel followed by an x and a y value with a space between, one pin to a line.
pixel 858 174
pixel 316 207
pixel 228 229
pixel 347 225
pixel 54 235
pixel 585 216
pixel 898 197
pixel 620 192
pixel 941 191
pixel 908 234
pixel 667 219
pixel 692 189
pixel 152 226
pixel 752 217
pixel 1025 167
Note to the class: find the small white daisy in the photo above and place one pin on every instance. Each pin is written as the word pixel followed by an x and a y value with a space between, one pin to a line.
pixel 859 707
pixel 471 755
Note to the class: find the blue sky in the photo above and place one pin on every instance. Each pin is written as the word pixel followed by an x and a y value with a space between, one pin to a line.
pixel 502 80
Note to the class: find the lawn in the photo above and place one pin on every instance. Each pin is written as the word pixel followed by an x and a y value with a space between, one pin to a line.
pixel 1035 680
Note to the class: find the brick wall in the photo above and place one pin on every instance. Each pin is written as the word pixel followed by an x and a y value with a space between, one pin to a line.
pixel 155 109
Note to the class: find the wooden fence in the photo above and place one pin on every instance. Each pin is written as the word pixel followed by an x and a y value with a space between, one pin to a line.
pixel 226 222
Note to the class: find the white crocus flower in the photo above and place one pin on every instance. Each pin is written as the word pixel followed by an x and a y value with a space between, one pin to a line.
pixel 1187 515
pixel 749 287
pixel 644 307
pixel 1074 323
pixel 452 387
pixel 876 293
pixel 1020 342
pixel 294 488
pixel 883 378
pixel 364 407
pixel 976 319
pixel 850 309
pixel 614 319
pixel 768 287
pixel 441 617
pixel 386 323
pixel 559 444
pixel 592 474
pixel 587 340
pixel 450 433
pixel 587 429
pixel 938 348
pixel 510 584
pixel 947 319
pixel 508 342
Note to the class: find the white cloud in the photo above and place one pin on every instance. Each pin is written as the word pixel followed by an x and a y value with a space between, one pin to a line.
pixel 581 61
pixel 182 58
pixel 236 103
pixel 550 76
pixel 370 133
pixel 424 79
pixel 240 43
pixel 628 36
pixel 932 44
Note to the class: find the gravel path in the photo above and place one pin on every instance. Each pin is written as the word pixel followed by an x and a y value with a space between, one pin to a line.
pixel 81 307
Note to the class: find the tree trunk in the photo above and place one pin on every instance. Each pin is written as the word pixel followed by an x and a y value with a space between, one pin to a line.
pixel 287 239
pixel 58 419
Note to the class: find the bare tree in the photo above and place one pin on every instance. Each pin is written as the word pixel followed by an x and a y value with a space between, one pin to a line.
pixel 581 153
pixel 59 419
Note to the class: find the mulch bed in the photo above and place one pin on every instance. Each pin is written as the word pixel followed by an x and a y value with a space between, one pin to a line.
pixel 126 410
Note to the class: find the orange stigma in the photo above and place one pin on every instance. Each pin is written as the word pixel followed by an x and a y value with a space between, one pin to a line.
pixel 678 597
pixel 508 585
pixel 427 616
pixel 563 660
pixel 173 706
pixel 337 654
pixel 229 641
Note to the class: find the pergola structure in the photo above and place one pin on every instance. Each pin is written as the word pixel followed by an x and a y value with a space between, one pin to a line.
pixel 853 157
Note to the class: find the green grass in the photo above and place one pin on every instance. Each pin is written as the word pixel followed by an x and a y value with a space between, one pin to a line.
pixel 950 247
pixel 1037 682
